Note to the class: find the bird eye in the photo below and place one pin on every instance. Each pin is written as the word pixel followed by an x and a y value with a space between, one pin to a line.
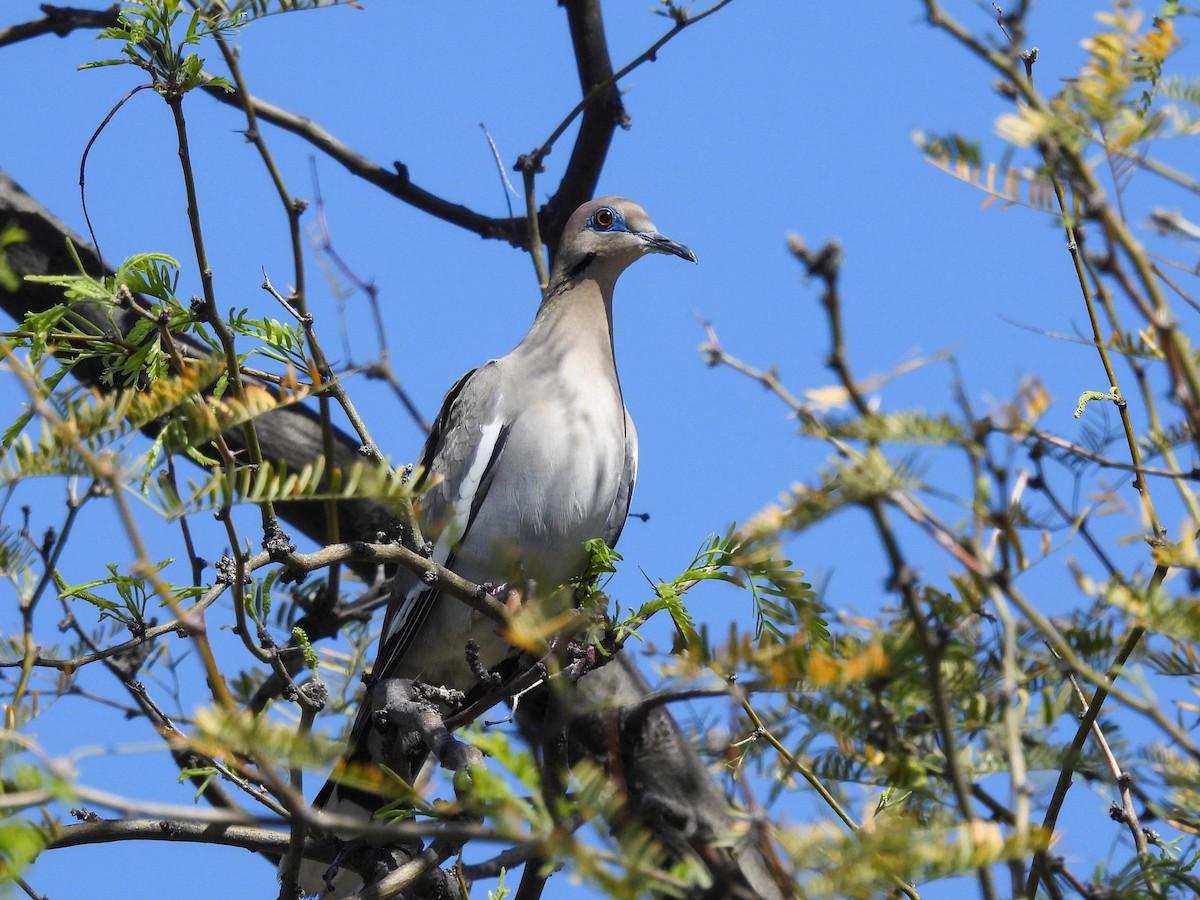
pixel 603 217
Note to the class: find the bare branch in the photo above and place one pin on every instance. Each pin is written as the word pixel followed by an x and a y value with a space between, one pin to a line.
pixel 60 20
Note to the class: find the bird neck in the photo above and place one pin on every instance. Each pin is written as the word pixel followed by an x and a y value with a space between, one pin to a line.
pixel 575 317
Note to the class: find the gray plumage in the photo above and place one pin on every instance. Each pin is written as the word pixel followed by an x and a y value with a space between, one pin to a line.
pixel 531 455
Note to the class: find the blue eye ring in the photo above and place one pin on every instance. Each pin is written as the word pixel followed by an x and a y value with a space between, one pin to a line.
pixel 606 219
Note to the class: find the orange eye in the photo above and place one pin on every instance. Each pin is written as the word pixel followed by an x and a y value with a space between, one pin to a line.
pixel 604 217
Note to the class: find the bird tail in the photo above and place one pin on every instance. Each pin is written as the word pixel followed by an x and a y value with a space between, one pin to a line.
pixel 357 790
pixel 348 796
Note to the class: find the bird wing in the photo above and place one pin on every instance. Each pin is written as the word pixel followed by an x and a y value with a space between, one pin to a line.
pixel 620 507
pixel 461 454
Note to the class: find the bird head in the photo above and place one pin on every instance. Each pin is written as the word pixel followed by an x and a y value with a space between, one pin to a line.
pixel 605 236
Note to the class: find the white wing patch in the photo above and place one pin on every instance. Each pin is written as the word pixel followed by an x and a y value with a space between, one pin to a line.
pixel 459 520
pixel 460 513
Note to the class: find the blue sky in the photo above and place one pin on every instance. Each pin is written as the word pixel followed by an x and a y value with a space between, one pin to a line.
pixel 764 120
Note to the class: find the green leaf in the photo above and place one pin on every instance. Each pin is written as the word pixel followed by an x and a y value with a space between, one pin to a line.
pixel 10 235
pixel 14 430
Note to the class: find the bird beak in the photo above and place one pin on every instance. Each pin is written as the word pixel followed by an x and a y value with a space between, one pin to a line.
pixel 660 243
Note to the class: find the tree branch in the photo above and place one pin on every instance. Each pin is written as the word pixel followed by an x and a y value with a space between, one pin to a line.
pixel 60 20
pixel 668 786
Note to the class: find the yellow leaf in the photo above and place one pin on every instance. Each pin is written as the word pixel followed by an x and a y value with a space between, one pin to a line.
pixel 1035 399
pixel 824 399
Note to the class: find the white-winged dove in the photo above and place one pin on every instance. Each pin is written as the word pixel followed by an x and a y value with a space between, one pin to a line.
pixel 534 454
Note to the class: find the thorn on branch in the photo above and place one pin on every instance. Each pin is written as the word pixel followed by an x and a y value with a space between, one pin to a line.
pixel 304 319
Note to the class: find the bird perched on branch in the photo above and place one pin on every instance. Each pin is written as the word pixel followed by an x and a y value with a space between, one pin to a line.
pixel 531 455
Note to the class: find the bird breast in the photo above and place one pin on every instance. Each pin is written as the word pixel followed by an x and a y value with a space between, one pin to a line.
pixel 555 487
